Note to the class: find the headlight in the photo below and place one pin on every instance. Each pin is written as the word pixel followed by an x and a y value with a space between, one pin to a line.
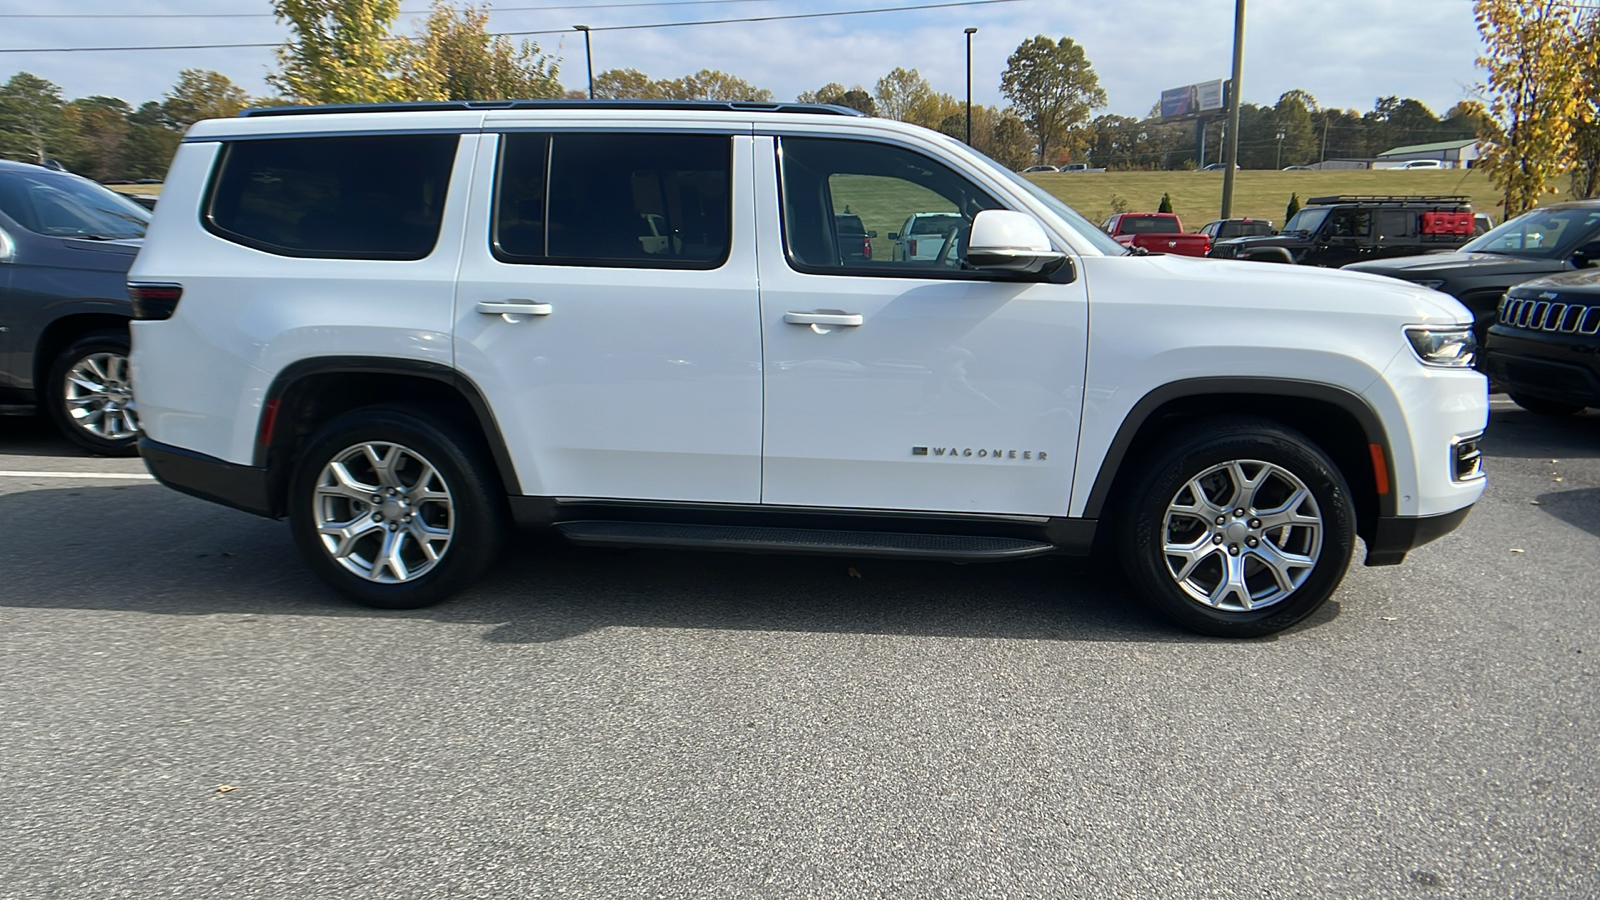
pixel 1451 347
pixel 1432 284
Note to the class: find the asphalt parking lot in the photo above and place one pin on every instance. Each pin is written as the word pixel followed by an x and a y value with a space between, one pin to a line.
pixel 186 712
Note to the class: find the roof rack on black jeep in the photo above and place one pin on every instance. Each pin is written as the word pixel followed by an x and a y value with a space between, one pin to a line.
pixel 456 105
pixel 1413 198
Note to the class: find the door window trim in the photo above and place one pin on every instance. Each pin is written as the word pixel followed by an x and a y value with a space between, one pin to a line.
pixel 929 274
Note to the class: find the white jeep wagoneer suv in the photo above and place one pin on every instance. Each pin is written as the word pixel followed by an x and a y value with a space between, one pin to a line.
pixel 407 327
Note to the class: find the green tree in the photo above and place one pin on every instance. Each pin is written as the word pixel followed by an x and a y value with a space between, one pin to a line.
pixel 102 128
pixel 995 133
pixel 855 98
pixel 1053 88
pixel 148 148
pixel 1293 119
pixel 625 84
pixel 906 96
pixel 1535 58
pixel 1166 204
pixel 456 58
pixel 710 84
pixel 340 51
pixel 1294 207
pixel 203 94
pixel 31 123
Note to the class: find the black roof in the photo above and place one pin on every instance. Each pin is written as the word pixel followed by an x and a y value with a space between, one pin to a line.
pixel 1415 199
pixel 458 105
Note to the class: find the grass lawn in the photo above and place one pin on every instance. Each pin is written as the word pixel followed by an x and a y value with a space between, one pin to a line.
pixel 1197 196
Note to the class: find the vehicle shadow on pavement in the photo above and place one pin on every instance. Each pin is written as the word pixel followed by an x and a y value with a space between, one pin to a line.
pixel 145 548
pixel 1518 434
pixel 1579 508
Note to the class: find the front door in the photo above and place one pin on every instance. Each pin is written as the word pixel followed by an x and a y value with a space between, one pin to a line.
pixel 898 380
pixel 608 311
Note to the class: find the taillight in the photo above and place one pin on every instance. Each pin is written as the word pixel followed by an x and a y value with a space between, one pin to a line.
pixel 866 247
pixel 911 248
pixel 154 301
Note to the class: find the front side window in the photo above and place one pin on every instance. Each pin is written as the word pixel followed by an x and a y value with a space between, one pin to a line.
pixel 864 208
pixel 375 196
pixel 1541 234
pixel 633 200
pixel 58 205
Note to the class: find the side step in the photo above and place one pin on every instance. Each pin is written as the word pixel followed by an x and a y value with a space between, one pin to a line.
pixel 758 539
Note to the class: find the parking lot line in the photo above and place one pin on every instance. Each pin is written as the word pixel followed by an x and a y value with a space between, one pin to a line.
pixel 115 476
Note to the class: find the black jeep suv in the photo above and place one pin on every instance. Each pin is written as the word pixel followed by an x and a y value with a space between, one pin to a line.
pixel 1337 231
pixel 1545 347
pixel 65 247
pixel 1548 240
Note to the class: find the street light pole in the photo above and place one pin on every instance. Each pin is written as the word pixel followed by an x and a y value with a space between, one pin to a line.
pixel 1281 135
pixel 1231 150
pixel 970 33
pixel 588 57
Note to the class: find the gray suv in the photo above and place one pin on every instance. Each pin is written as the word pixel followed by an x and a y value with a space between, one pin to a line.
pixel 65 247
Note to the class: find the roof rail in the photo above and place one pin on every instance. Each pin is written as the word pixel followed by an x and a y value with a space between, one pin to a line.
pixel 1380 198
pixel 742 106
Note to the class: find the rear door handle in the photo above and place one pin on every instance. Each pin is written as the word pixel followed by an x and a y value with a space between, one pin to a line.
pixel 513 310
pixel 849 320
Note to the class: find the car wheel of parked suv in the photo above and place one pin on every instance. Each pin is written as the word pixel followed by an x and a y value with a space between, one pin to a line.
pixel 90 396
pixel 392 509
pixel 1546 407
pixel 1240 529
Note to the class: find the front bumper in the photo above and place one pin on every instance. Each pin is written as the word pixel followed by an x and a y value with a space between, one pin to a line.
pixel 198 475
pixel 1396 536
pixel 1556 367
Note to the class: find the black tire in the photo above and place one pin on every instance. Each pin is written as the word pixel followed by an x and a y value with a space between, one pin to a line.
pixel 1194 456
pixel 1546 407
pixel 95 421
pixel 473 513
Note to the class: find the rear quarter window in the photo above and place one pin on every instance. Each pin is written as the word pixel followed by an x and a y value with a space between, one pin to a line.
pixel 368 197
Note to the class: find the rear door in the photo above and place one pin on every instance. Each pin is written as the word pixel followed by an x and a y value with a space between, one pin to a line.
pixel 607 310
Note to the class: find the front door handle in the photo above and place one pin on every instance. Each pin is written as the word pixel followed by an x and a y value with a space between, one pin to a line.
pixel 513 310
pixel 825 317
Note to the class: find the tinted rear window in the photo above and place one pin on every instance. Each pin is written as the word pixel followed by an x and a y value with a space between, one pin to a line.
pixel 368 197
pixel 1148 225
pixel 636 200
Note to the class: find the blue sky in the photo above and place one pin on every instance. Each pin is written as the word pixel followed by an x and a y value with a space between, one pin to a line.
pixel 1345 52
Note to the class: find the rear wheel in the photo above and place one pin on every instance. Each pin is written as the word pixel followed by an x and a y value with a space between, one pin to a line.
pixel 90 397
pixel 393 510
pixel 1546 407
pixel 1241 529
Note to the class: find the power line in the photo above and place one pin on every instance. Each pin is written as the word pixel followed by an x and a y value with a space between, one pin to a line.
pixel 403 12
pixel 822 15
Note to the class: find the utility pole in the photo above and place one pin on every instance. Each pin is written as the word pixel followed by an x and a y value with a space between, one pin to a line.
pixel 970 33
pixel 588 57
pixel 1281 135
pixel 1230 156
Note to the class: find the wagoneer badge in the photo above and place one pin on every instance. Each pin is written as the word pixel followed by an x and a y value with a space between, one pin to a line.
pixel 979 453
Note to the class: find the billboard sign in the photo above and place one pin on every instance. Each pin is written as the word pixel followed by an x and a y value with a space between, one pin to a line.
pixel 1192 100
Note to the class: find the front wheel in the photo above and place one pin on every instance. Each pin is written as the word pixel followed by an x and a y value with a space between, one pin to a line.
pixel 90 396
pixel 393 510
pixel 1241 529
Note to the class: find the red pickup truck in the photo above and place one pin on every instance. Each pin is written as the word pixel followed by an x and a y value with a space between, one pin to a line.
pixel 1156 233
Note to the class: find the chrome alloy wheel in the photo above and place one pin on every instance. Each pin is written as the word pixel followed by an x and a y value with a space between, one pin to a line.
pixel 1242 535
pixel 383 512
pixel 100 397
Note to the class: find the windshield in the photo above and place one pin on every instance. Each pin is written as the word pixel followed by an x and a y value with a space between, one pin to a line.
pixel 1084 228
pixel 1541 234
pixel 1307 220
pixel 68 206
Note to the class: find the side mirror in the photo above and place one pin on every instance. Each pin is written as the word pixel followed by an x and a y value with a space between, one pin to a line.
pixel 1586 255
pixel 1011 242
pixel 872 234
pixel 894 235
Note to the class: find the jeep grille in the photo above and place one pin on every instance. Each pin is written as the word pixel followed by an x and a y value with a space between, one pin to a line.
pixel 1550 315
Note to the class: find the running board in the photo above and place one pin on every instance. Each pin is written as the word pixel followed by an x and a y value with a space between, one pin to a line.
pixel 758 539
